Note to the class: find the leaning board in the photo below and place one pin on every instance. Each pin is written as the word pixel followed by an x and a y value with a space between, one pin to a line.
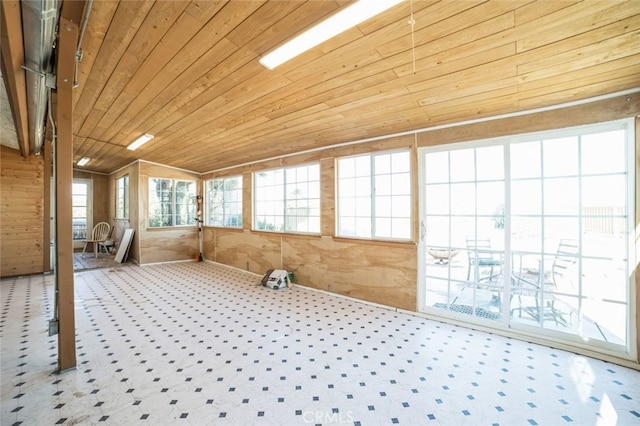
pixel 123 249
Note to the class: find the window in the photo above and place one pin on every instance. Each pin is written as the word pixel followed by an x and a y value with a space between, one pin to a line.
pixel 288 200
pixel 171 202
pixel 122 197
pixel 224 202
pixel 374 196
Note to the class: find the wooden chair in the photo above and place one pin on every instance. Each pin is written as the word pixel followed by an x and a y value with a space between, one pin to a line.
pixel 98 237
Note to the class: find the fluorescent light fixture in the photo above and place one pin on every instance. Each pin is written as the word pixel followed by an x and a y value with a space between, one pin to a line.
pixel 347 18
pixel 83 161
pixel 140 141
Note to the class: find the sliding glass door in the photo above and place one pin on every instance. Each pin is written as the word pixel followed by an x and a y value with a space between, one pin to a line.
pixel 532 233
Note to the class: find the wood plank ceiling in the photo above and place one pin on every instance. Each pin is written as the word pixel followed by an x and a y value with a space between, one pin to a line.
pixel 188 72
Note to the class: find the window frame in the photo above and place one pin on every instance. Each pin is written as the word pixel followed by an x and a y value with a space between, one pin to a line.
pixel 209 220
pixel 374 235
pixel 124 196
pixel 284 208
pixel 191 207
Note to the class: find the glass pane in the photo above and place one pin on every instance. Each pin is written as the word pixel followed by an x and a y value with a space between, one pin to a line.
pixel 363 206
pixel 347 226
pixel 346 188
pixel 560 157
pixel 604 191
pixel 557 229
pixel 382 164
pixel 491 200
pixel 363 186
pixel 461 228
pixel 437 294
pixel 526 196
pixel 561 196
pixel 604 321
pixel 463 199
pixel 604 279
pixel 437 231
pixel 604 152
pixel 383 206
pixel 401 228
pixel 526 234
pixel 401 162
pixel 79 189
pixel 490 163
pixel 525 160
pixel 437 167
pixel 437 199
pixel 383 227
pixel 363 227
pixel 401 206
pixel 401 183
pixel 463 165
pixel 383 184
pixel 346 168
pixel 363 165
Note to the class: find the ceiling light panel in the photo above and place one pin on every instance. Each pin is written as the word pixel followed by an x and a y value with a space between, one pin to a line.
pixel 348 17
pixel 140 141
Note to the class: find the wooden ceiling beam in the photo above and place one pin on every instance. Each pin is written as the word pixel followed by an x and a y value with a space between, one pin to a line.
pixel 14 75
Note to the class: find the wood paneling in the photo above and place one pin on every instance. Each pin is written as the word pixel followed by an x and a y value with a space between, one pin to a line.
pixel 378 272
pixel 328 199
pixel 251 251
pixel 22 214
pixel 188 72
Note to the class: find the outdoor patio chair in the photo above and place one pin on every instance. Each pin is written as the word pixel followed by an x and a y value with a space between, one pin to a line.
pixel 534 285
pixel 481 255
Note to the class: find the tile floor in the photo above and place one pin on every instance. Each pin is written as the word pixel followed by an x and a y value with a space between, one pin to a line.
pixel 203 344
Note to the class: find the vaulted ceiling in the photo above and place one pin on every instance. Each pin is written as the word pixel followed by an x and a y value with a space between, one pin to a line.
pixel 188 73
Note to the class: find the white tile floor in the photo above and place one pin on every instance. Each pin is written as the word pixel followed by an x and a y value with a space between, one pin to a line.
pixel 202 344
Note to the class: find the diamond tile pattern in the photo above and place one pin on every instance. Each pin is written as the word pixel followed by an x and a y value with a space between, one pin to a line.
pixel 204 344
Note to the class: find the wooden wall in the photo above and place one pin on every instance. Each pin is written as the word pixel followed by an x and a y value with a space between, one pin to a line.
pixel 22 214
pixel 163 244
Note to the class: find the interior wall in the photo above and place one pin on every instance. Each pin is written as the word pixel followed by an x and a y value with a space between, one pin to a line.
pixel 168 244
pixel 380 272
pixel 22 214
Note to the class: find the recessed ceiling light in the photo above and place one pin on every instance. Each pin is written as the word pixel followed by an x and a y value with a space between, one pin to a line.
pixel 83 161
pixel 140 141
pixel 348 17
